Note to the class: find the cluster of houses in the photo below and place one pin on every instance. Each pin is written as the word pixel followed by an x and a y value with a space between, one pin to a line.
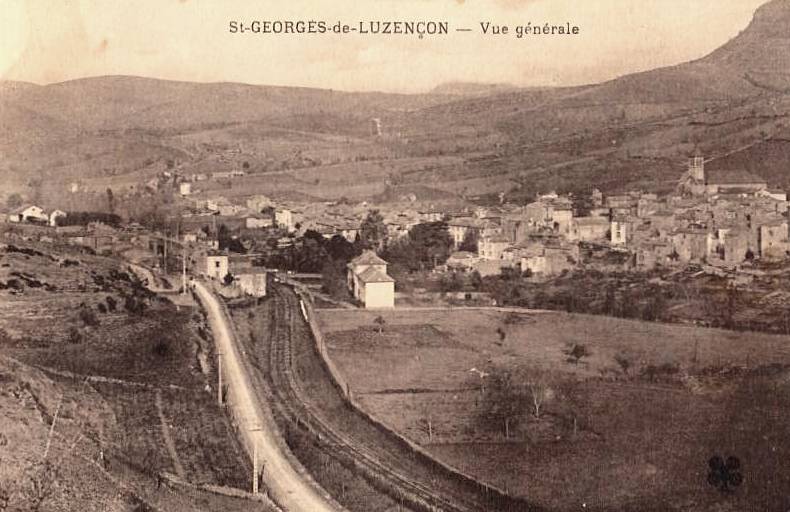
pixel 721 218
pixel 258 212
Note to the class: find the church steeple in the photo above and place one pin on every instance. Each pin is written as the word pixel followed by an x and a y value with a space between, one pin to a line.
pixel 697 167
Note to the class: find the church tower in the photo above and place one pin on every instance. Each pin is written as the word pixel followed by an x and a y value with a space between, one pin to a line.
pixel 697 168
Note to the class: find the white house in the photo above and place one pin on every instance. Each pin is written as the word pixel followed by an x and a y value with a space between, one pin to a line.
pixel 284 219
pixel 217 266
pixel 369 282
pixel 252 281
pixel 55 215
pixel 619 234
pixel 258 222
pixel 28 213
pixel 492 248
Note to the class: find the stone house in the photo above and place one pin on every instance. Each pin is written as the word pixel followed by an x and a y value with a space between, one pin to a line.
pixel 252 281
pixel 588 229
pixel 492 248
pixel 30 213
pixel 369 282
pixel 689 244
pixel 773 240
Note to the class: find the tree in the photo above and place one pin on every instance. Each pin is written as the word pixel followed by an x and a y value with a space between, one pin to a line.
pixel 333 279
pixel 451 282
pixel 75 336
pixel 470 241
pixel 311 256
pixel 539 390
pixel 475 280
pixel 372 231
pixel 228 279
pixel 431 243
pixel 38 485
pixel 380 322
pixel 576 352
pixel 110 200
pixel 340 249
pixel 623 362
pixel 571 393
pixel 504 398
pixel 14 201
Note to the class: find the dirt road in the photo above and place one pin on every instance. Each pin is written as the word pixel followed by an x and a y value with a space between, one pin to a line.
pixel 290 490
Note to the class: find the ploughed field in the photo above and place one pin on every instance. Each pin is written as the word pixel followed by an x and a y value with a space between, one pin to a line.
pixel 630 412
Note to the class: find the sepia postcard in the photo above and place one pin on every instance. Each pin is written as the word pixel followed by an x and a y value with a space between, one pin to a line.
pixel 394 256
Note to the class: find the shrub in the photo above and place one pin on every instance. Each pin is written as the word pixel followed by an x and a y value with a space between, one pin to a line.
pixel 75 335
pixel 88 316
pixel 576 352
pixel 161 348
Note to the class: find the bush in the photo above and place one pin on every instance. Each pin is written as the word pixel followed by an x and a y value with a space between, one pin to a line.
pixel 75 335
pixel 161 348
pixel 576 352
pixel 88 316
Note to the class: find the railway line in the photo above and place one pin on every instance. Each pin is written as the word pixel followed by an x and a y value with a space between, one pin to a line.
pixel 356 443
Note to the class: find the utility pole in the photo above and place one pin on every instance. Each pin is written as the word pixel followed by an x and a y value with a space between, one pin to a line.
pixel 164 262
pixel 184 269
pixel 257 472
pixel 219 378
pixel 254 467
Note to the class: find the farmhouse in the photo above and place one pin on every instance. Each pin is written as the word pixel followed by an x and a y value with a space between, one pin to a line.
pixel 369 282
pixel 492 248
pixel 30 213
pixel 252 281
pixel 773 240
pixel 55 215
pixel 587 229
pixel 284 219
pixel 216 266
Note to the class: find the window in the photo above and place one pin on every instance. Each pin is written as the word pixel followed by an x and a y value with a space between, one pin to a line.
pixel 216 264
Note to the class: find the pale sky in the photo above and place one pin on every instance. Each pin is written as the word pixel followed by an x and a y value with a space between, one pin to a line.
pixel 45 41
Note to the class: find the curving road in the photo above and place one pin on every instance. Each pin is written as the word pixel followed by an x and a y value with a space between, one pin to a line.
pixel 290 490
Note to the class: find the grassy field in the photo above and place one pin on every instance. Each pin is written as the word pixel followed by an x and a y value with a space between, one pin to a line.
pixel 81 338
pixel 645 428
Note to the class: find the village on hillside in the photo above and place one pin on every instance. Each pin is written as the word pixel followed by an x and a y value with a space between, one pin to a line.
pixel 723 222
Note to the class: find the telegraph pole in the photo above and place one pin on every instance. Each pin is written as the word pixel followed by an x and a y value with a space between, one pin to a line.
pixel 254 467
pixel 257 472
pixel 164 262
pixel 219 378
pixel 184 269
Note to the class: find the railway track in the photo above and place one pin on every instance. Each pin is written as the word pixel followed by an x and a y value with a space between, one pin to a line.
pixel 386 469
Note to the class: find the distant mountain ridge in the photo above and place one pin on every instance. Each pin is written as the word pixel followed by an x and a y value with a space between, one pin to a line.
pixel 633 131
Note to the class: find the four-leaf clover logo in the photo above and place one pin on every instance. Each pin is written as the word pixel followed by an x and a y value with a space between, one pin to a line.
pixel 725 475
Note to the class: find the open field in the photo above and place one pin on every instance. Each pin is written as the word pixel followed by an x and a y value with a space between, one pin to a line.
pixel 79 334
pixel 684 395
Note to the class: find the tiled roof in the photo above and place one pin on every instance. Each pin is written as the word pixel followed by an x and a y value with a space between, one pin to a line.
pixel 590 221
pixel 368 258
pixel 373 275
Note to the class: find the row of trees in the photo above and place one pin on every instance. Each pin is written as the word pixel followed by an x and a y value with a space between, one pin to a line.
pixel 85 218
